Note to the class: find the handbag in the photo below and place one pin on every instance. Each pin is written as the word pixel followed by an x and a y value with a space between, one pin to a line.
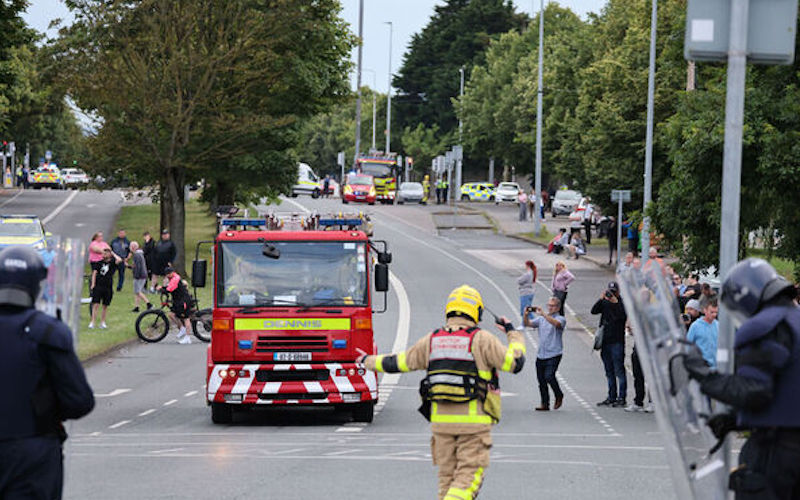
pixel 598 337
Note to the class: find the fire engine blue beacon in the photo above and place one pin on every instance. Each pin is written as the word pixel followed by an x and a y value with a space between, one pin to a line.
pixel 340 344
pixel 245 344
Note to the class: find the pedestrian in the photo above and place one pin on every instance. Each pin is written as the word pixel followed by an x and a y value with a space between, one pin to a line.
pixel 181 307
pixel 121 247
pixel 522 199
pixel 576 246
pixel 426 189
pixel 45 383
pixel 587 218
pixel 527 287
pixel 559 242
pixel 531 204
pixel 164 255
pixel 149 249
pixel 561 281
pixel 461 394
pixel 632 235
pixel 704 333
pixel 762 391
pixel 627 264
pixel 652 255
pixel 611 228
pixel 139 271
pixel 545 202
pixel 693 290
pixel 102 285
pixel 326 185
pixel 612 320
pixel 26 181
pixel 96 247
pixel 551 326
pixel 445 190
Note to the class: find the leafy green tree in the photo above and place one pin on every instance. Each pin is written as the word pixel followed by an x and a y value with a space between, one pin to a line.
pixel 423 144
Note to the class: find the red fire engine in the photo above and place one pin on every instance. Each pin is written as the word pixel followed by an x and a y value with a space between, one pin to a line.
pixel 292 307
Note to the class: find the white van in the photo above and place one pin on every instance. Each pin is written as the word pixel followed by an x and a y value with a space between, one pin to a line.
pixel 307 182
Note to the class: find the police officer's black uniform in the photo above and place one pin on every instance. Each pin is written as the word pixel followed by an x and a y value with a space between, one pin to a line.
pixel 43 383
pixel 763 391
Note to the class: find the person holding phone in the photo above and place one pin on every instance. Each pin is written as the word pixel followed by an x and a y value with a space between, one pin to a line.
pixel 551 326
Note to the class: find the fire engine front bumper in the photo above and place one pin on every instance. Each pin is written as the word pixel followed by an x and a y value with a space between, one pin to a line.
pixel 287 384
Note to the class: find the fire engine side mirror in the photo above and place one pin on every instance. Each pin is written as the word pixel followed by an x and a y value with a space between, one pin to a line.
pixel 198 273
pixel 385 257
pixel 381 277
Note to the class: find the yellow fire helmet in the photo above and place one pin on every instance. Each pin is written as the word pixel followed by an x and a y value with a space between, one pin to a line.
pixel 427 177
pixel 465 301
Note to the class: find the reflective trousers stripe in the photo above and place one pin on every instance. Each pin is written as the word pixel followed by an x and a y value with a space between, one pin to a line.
pixel 471 418
pixel 471 492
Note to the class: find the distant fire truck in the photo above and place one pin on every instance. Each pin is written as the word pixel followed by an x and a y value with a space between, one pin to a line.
pixel 292 308
pixel 384 171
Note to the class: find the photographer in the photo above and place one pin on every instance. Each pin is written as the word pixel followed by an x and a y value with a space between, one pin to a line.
pixel 691 313
pixel 612 352
pixel 551 326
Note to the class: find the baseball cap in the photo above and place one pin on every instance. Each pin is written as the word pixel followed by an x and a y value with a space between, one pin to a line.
pixel 165 231
pixel 612 285
pixel 168 270
pixel 694 304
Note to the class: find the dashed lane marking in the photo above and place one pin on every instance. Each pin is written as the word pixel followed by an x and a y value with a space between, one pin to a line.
pixel 115 392
pixel 147 412
pixel 190 394
pixel 171 402
pixel 119 424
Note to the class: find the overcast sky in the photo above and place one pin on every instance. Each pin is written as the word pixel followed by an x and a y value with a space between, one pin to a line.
pixel 407 17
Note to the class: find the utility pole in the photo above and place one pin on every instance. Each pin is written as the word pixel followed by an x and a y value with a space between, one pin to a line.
pixel 460 99
pixel 537 223
pixel 389 95
pixel 648 152
pixel 358 78
pixel 374 103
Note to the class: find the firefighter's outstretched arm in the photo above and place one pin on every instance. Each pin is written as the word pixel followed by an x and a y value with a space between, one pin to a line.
pixel 511 358
pixel 415 358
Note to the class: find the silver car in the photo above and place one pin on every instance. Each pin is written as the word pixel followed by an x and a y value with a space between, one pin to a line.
pixel 409 191
pixel 565 201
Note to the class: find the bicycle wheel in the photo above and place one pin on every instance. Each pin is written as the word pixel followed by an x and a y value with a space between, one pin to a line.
pixel 201 324
pixel 152 325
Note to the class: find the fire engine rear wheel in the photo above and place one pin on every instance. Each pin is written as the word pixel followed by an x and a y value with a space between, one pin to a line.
pixel 221 413
pixel 371 203
pixel 344 201
pixel 364 412
pixel 152 325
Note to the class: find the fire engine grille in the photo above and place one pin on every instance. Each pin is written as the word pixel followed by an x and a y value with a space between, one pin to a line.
pixel 292 395
pixel 310 343
pixel 291 375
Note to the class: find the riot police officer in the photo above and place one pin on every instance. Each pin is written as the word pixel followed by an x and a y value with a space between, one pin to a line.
pixel 763 389
pixel 461 393
pixel 44 383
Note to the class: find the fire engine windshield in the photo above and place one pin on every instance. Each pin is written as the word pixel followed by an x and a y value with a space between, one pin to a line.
pixel 376 169
pixel 306 273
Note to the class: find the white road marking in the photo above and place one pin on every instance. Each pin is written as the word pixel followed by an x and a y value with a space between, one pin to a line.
pixel 190 394
pixel 341 452
pixel 349 429
pixel 172 450
pixel 171 402
pixel 59 208
pixel 96 433
pixel 79 224
pixel 147 412
pixel 119 424
pixel 12 198
pixel 115 392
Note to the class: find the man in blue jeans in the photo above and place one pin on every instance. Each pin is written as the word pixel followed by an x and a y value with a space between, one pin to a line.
pixel 551 328
pixel 612 352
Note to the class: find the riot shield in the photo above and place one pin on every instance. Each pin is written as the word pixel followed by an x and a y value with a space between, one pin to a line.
pixel 61 291
pixel 681 409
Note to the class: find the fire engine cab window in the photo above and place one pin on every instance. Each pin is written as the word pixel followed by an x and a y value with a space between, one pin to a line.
pixel 376 169
pixel 307 273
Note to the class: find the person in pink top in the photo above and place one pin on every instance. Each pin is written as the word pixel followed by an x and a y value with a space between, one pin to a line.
pixel 96 247
pixel 561 281
pixel 181 303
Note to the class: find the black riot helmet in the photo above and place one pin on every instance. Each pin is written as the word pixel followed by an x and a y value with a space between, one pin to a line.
pixel 750 284
pixel 21 273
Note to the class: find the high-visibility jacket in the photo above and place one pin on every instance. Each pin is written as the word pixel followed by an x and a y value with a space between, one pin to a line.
pixel 487 352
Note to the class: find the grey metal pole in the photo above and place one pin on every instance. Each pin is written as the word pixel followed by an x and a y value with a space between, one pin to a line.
pixel 732 173
pixel 537 223
pixel 358 79
pixel 389 95
pixel 648 152
pixel 461 96
pixel 619 230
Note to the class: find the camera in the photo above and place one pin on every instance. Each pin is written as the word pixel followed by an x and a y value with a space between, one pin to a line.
pixel 608 294
pixel 685 318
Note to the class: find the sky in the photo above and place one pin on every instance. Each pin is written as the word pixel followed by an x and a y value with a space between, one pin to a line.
pixel 407 17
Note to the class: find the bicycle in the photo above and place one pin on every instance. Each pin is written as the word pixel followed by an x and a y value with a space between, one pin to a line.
pixel 154 324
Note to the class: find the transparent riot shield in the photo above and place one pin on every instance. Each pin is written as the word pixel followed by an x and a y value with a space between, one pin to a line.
pixel 681 409
pixel 61 291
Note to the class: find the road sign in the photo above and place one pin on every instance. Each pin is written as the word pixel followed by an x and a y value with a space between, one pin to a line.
pixel 458 152
pixel 48 155
pixel 621 195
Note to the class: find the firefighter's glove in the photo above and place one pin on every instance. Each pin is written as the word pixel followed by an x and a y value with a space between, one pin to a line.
pixel 504 324
pixel 695 364
pixel 360 360
pixel 722 423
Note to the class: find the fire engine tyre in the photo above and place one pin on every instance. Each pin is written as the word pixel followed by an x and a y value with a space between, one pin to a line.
pixel 344 201
pixel 152 325
pixel 221 413
pixel 371 203
pixel 364 412
pixel 201 324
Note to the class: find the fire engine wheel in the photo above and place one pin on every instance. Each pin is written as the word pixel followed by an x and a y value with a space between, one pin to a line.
pixel 221 413
pixel 201 324
pixel 344 202
pixel 371 203
pixel 152 325
pixel 364 412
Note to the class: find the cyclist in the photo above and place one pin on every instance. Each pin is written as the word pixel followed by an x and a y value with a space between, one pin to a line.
pixel 181 307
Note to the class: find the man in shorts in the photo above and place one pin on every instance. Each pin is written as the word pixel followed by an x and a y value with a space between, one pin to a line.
pixel 181 303
pixel 102 285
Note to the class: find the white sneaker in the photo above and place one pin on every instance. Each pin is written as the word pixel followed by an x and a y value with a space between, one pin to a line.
pixel 649 408
pixel 91 326
pixel 185 339
pixel 635 408
pixel 103 325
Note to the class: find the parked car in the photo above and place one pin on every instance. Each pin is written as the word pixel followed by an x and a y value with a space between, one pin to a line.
pixel 74 177
pixel 409 191
pixel 477 191
pixel 359 187
pixel 565 202
pixel 506 191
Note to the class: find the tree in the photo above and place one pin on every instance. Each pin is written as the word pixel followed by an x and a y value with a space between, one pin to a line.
pixel 423 144
pixel 212 89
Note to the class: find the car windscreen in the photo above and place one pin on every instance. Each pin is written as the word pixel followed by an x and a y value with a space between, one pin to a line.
pixel 361 180
pixel 306 273
pixel 411 186
pixel 17 227
pixel 507 185
pixel 567 195
pixel 376 169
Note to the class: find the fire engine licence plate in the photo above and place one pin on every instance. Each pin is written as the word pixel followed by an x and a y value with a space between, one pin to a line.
pixel 292 356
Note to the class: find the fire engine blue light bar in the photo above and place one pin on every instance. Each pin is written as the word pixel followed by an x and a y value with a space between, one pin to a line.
pixel 340 222
pixel 244 222
pixel 245 344
pixel 340 344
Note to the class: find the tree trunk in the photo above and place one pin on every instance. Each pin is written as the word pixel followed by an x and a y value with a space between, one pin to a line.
pixel 164 217
pixel 173 208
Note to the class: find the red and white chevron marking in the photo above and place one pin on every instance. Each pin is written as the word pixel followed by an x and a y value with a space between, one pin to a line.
pixel 250 388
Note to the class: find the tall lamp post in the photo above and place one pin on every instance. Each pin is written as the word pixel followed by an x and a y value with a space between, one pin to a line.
pixel 537 223
pixel 389 94
pixel 648 152
pixel 358 79
pixel 374 103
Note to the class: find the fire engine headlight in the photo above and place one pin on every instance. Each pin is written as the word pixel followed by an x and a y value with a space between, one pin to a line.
pixel 223 374
pixel 372 191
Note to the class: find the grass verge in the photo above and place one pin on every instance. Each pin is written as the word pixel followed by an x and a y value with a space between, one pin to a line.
pixel 121 321
pixel 785 267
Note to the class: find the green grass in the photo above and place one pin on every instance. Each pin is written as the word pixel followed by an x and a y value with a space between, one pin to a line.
pixel 135 220
pixel 785 267
pixel 544 236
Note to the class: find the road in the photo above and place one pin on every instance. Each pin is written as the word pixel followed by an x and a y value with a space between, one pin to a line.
pixel 151 435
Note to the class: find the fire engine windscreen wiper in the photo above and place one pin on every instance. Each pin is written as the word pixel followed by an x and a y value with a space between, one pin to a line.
pixel 322 303
pixel 254 308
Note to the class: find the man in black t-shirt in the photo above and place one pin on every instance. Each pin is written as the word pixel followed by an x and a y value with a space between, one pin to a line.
pixel 102 285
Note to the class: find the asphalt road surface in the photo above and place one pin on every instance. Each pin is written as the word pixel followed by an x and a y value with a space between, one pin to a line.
pixel 151 435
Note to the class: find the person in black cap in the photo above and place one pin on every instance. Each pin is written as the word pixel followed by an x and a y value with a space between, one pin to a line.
pixel 164 255
pixel 612 320
pixel 45 382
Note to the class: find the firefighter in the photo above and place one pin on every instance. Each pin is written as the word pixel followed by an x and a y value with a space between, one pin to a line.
pixel 45 383
pixel 426 189
pixel 460 394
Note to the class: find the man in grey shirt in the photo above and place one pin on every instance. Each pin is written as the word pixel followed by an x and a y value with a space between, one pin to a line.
pixel 551 328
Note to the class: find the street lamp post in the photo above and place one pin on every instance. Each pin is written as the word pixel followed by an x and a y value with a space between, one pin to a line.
pixel 358 78
pixel 648 152
pixel 374 103
pixel 389 94
pixel 537 223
